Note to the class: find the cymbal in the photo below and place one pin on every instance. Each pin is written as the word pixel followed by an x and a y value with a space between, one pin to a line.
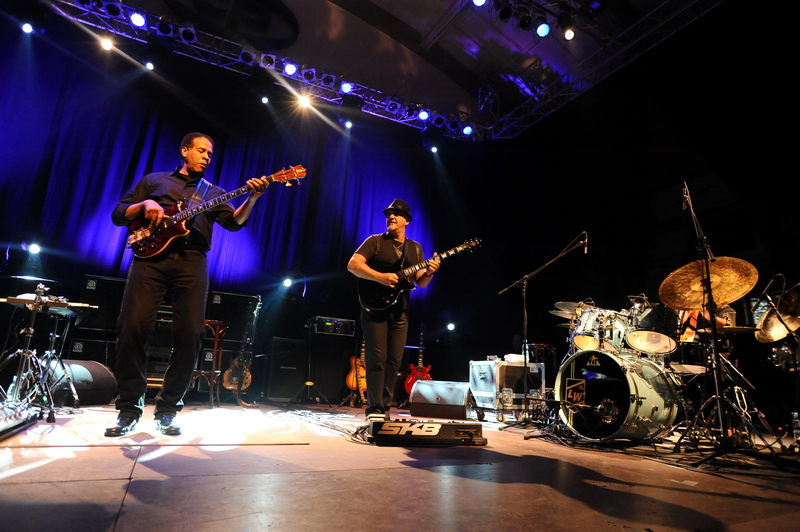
pixel 731 329
pixel 770 327
pixel 563 314
pixel 569 306
pixel 731 279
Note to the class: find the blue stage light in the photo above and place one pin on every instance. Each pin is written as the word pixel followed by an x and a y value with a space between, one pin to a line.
pixel 346 87
pixel 423 115
pixel 541 27
pixel 290 69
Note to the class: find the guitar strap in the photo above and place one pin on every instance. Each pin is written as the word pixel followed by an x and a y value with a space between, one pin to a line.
pixel 200 192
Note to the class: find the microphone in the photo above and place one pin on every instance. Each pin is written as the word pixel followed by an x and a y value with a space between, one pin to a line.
pixel 586 244
pixel 685 196
pixel 763 295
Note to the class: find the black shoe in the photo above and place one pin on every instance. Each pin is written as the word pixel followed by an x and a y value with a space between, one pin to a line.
pixel 166 425
pixel 125 424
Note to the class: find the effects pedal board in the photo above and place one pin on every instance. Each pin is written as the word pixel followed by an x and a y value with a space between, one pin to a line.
pixel 425 433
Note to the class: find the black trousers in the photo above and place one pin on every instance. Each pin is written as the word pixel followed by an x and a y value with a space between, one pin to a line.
pixel 184 276
pixel 385 340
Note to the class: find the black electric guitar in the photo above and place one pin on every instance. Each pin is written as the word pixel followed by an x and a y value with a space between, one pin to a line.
pixel 375 296
pixel 147 242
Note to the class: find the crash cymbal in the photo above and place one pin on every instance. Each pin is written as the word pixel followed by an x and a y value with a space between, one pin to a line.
pixel 568 306
pixel 563 314
pixel 731 279
pixel 770 327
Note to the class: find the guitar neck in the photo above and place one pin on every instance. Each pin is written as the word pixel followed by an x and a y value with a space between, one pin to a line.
pixel 197 209
pixel 407 272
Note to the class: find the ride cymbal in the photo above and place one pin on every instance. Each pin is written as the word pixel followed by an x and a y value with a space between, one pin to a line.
pixel 770 328
pixel 731 279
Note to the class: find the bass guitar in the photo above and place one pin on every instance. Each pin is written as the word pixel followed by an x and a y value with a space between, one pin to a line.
pixel 357 378
pixel 418 372
pixel 147 242
pixel 375 296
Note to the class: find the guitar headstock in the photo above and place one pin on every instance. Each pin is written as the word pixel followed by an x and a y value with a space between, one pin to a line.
pixel 471 244
pixel 287 175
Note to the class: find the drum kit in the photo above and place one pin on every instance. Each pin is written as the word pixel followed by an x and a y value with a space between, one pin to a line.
pixel 627 373
pixel 30 392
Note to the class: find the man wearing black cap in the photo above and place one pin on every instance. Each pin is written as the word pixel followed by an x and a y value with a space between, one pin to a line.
pixel 384 320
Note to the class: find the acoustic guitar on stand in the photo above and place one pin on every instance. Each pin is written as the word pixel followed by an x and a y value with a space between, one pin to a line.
pixel 418 372
pixel 147 242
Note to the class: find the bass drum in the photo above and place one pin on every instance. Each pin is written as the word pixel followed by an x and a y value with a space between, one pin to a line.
pixel 606 397
pixel 655 331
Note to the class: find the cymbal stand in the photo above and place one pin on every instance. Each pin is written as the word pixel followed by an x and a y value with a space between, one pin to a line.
pixel 30 385
pixel 725 443
pixel 52 359
pixel 522 283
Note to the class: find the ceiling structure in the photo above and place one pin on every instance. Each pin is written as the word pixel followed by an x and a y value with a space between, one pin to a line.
pixel 465 64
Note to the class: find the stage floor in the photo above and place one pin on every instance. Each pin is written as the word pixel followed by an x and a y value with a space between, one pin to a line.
pixel 273 468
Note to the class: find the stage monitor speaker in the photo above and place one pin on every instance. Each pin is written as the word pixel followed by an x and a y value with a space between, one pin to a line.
pixel 106 294
pixel 94 383
pixel 330 364
pixel 440 399
pixel 288 366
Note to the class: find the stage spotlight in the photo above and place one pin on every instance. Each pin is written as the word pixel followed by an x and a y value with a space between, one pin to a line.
pixel 106 43
pixel 454 125
pixel 267 61
pixel 346 87
pixel 304 101
pixel 348 124
pixel 478 3
pixel 164 28
pixel 504 10
pixel 328 80
pixel 149 65
pixel 467 131
pixel 434 149
pixel 137 18
pixel 541 27
pixel 566 24
pixel 439 120
pixel 187 33
pixel 113 9
pixel 247 56
pixel 423 115
pixel 523 19
pixel 27 28
pixel 289 68
pixel 34 249
pixel 308 74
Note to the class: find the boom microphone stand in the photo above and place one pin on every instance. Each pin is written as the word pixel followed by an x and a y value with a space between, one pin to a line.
pixel 523 286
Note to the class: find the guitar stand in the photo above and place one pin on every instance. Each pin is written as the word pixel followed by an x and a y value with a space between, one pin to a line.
pixel 355 400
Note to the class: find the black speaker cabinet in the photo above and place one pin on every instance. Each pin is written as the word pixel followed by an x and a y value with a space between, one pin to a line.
pixel 440 399
pixel 94 383
pixel 238 311
pixel 287 366
pixel 106 294
pixel 330 363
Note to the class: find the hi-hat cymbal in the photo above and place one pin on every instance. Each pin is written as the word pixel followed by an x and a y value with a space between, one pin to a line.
pixel 563 314
pixel 568 306
pixel 731 279
pixel 770 327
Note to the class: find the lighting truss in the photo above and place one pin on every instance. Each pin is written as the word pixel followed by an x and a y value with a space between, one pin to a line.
pixel 619 48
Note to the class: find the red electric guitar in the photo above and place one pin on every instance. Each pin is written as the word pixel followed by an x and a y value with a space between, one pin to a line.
pixel 418 372
pixel 147 242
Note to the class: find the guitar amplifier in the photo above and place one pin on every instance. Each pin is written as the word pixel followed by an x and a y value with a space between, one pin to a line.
pixel 338 326
pixel 425 433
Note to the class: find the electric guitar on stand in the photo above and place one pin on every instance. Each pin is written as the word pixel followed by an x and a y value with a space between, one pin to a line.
pixel 418 372
pixel 357 378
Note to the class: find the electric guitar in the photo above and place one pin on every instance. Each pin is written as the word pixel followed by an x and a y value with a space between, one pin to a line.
pixel 357 378
pixel 147 242
pixel 375 296
pixel 418 372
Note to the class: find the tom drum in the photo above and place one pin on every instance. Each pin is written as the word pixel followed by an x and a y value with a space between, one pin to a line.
pixel 654 331
pixel 598 328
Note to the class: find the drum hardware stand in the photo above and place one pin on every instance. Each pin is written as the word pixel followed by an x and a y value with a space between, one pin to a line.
pixel 309 384
pixel 523 285
pixel 726 443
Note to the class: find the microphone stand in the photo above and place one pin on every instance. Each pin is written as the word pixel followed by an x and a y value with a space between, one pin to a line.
pixel 522 283
pixel 725 443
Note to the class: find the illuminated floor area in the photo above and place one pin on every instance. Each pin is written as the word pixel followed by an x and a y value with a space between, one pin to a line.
pixel 271 469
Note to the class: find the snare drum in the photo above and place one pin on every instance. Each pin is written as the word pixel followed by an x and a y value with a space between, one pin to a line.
pixel 606 397
pixel 602 329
